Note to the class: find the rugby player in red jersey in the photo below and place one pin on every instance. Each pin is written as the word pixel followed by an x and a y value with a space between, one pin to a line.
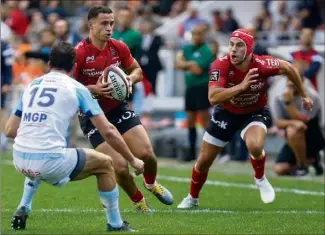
pixel 93 55
pixel 237 88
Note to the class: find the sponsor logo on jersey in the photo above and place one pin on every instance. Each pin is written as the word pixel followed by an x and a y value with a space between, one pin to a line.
pixel 256 87
pixel 215 74
pixel 92 72
pixel 34 117
pixel 90 59
pixel 113 52
pixel 262 62
pixel 273 62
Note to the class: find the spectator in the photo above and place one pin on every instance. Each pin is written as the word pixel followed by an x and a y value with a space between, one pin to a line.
pixel 145 15
pixel 124 32
pixel 303 133
pixel 16 20
pixel 217 20
pixel 263 20
pixel 132 38
pixel 6 32
pixel 283 37
pixel 229 23
pixel 53 7
pixel 47 41
pixel 195 59
pixel 258 49
pixel 309 12
pixel 52 18
pixel 6 76
pixel 36 25
pixel 62 32
pixel 193 19
pixel 149 60
pixel 313 61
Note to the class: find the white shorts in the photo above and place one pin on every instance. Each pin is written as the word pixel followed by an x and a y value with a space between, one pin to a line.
pixel 54 168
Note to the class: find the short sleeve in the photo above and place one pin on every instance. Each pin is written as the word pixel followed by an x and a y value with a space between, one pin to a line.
pixel 270 66
pixel 218 72
pixel 79 61
pixel 125 54
pixel 87 104
pixel 18 109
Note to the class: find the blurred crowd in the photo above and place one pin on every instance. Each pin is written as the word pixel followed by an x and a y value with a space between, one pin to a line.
pixel 30 28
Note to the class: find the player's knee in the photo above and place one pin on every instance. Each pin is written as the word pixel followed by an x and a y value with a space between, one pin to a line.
pixel 146 153
pixel 294 133
pixel 122 173
pixel 107 162
pixel 255 147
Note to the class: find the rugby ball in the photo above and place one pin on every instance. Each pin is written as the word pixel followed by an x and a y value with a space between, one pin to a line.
pixel 117 78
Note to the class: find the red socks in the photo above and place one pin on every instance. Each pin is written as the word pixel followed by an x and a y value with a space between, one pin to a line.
pixel 259 166
pixel 150 179
pixel 197 182
pixel 137 196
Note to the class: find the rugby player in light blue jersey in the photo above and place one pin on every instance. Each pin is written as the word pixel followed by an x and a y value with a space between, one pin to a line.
pixel 39 124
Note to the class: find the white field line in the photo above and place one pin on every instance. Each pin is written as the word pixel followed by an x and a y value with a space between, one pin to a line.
pixel 197 211
pixel 231 185
pixel 238 185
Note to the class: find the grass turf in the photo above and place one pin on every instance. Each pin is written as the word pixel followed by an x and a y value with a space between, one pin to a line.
pixel 76 209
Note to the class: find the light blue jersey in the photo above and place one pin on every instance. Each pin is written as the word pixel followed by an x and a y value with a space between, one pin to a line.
pixel 46 108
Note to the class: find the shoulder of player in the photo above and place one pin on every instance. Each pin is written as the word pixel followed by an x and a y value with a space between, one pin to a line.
pixel 221 62
pixel 116 42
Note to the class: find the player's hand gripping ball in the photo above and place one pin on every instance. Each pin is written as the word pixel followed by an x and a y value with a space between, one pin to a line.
pixel 117 80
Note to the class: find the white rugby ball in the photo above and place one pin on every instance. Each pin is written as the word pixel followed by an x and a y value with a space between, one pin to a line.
pixel 117 78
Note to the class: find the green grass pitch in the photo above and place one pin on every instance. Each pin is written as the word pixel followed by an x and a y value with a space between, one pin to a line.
pixel 229 204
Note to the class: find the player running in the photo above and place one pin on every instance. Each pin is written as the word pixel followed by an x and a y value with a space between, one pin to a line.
pixel 94 54
pixel 39 124
pixel 238 89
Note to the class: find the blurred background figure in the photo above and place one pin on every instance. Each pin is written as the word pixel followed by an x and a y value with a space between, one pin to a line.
pixel 133 39
pixel 17 20
pixel 149 59
pixel 62 32
pixel 304 138
pixel 311 58
pixel 229 24
pixel 186 27
pixel 195 60
pixel 6 77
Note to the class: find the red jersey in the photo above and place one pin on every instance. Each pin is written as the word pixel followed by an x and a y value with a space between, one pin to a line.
pixel 224 74
pixel 91 62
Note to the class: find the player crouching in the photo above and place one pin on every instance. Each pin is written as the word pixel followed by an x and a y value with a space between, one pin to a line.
pixel 237 88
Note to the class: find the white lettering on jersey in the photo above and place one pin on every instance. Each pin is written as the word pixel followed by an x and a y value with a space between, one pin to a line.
pixel 273 62
pixel 262 62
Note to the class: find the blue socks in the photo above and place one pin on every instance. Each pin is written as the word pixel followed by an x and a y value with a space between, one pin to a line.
pixel 30 187
pixel 110 203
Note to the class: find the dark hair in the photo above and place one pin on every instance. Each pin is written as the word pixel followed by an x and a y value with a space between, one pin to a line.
pixel 62 56
pixel 96 10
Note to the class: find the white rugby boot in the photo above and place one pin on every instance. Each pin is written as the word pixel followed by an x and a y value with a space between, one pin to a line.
pixel 266 190
pixel 188 203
